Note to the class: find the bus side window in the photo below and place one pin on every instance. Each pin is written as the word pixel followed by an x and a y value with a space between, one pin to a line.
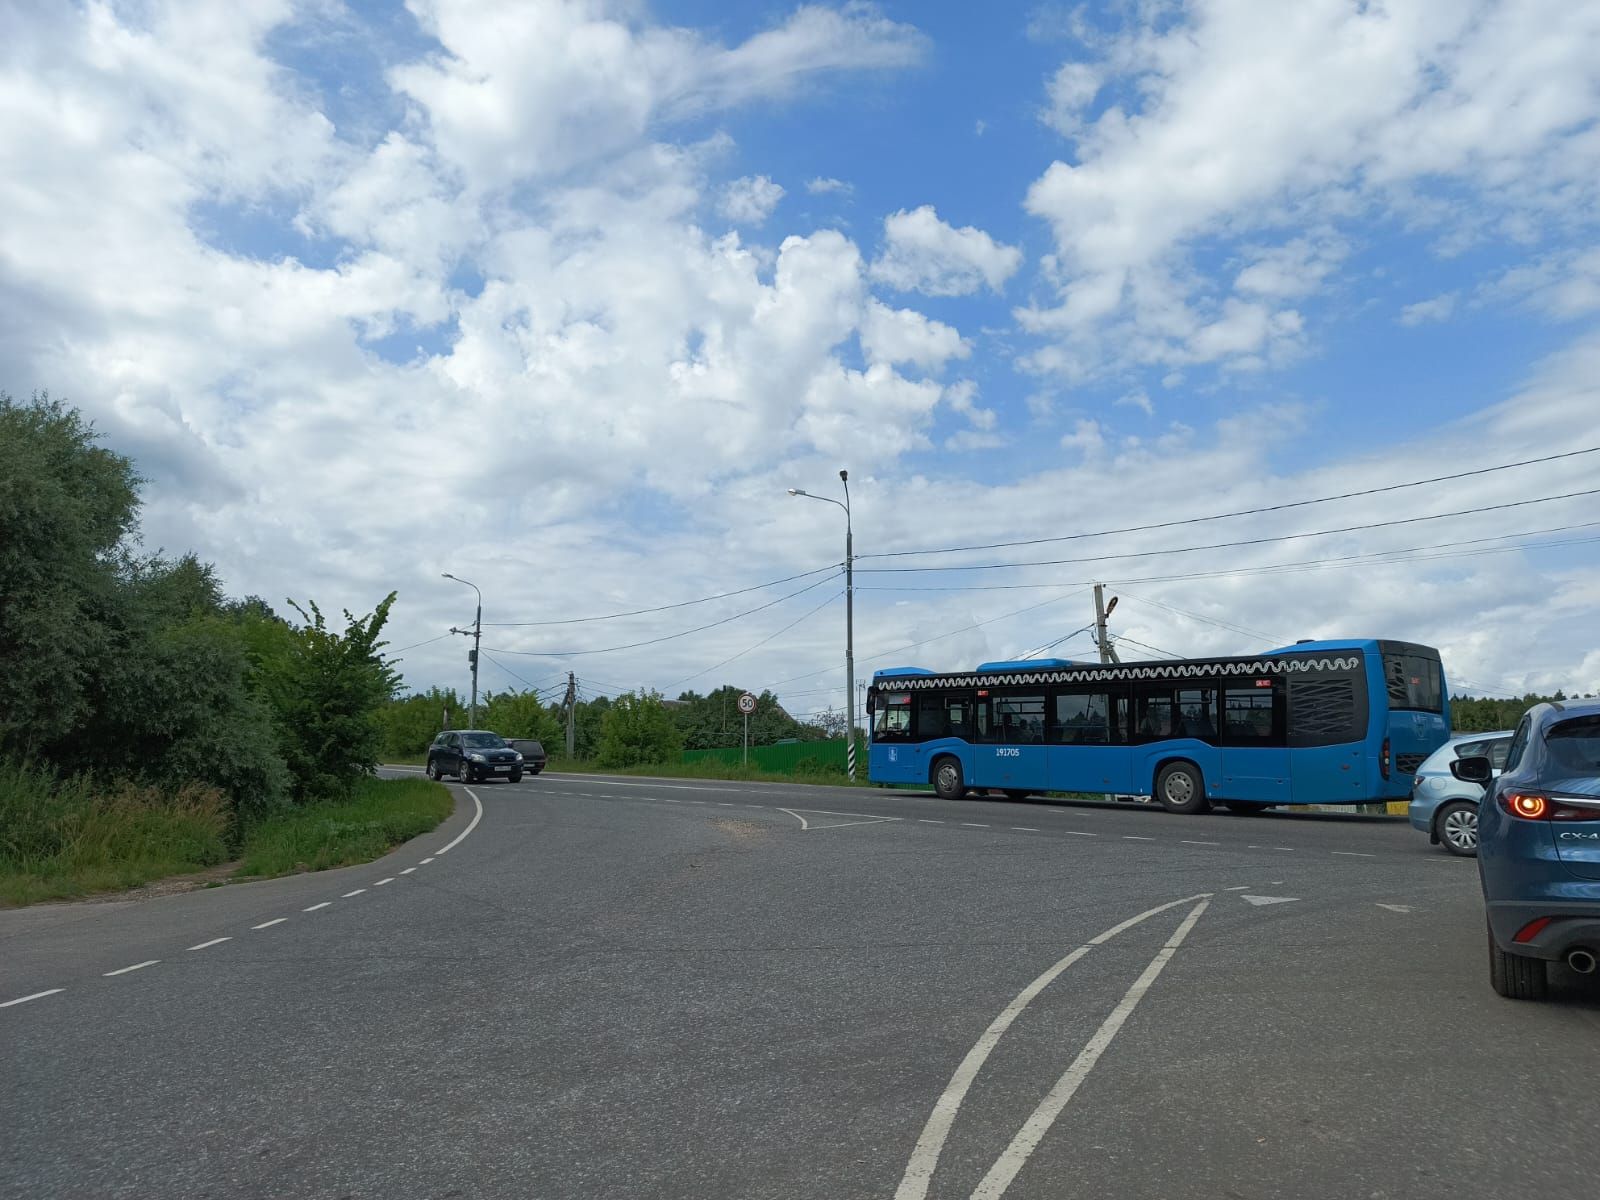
pixel 930 718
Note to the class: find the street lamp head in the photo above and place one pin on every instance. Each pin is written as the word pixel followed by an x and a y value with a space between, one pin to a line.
pixel 797 492
pixel 844 476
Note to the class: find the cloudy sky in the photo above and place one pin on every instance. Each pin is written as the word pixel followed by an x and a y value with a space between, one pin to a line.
pixel 562 297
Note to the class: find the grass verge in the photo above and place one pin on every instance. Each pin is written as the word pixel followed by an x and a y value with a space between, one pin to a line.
pixel 61 838
pixel 382 814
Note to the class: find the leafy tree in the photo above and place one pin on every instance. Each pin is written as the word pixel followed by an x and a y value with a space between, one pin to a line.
pixel 326 689
pixel 521 715
pixel 636 730
pixel 68 508
pixel 707 722
pixel 408 725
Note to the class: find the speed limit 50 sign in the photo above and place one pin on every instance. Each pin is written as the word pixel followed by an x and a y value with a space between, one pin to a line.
pixel 747 704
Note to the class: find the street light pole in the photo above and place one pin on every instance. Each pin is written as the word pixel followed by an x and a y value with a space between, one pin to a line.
pixel 477 636
pixel 849 618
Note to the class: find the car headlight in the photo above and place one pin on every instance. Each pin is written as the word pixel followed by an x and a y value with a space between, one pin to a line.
pixel 518 758
pixel 475 757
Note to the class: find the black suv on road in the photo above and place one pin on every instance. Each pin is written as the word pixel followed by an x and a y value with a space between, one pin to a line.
pixel 473 754
pixel 532 751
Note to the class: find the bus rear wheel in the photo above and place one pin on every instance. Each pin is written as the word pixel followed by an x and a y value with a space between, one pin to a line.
pixel 1180 789
pixel 948 781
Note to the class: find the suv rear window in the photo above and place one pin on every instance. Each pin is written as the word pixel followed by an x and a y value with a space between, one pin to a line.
pixel 1575 745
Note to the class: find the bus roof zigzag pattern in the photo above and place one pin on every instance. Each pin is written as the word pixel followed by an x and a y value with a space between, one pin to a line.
pixel 1187 670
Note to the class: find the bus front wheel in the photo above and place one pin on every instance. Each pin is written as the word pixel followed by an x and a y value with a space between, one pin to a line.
pixel 947 779
pixel 1180 789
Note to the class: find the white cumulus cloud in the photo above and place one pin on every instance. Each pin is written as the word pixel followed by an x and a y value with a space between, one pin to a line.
pixel 921 253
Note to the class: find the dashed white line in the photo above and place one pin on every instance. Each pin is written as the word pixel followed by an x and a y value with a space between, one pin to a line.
pixel 357 892
pixel 1243 887
pixel 974 825
pixel 271 923
pixel 212 942
pixel 314 907
pixel 381 882
pixel 425 861
pixel 35 996
pixel 928 821
pixel 670 800
pixel 149 962
pixel 1187 842
pixel 471 825
pixel 1077 833
pixel 1133 837
pixel 720 803
pixel 408 870
pixel 1354 854
pixel 1025 829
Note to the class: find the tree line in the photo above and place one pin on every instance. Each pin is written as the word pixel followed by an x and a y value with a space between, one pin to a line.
pixel 633 729
pixel 135 666
pixel 1485 714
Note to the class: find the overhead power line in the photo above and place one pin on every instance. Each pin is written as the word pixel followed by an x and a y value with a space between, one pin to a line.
pixel 414 645
pixel 1243 512
pixel 670 636
pixel 809 613
pixel 639 612
pixel 1260 541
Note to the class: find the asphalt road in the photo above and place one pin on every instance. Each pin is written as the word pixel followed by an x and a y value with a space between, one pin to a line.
pixel 666 988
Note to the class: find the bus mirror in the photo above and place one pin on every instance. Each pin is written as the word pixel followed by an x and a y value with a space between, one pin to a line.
pixel 872 700
pixel 1476 769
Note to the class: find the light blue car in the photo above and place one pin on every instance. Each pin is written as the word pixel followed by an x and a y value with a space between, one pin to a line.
pixel 1442 806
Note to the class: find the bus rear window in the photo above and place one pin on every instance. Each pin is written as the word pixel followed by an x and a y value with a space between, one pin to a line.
pixel 1414 682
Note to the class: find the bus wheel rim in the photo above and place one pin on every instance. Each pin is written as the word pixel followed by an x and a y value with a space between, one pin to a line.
pixel 1179 788
pixel 947 776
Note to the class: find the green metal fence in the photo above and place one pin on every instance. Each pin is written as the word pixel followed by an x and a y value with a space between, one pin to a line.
pixel 788 757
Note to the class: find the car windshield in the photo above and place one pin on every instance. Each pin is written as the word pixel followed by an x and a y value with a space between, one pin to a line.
pixel 482 741
pixel 1575 745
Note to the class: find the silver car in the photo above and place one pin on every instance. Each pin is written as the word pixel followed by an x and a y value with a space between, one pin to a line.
pixel 1442 806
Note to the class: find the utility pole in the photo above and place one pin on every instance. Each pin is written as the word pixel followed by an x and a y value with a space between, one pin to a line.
pixel 472 655
pixel 849 619
pixel 1101 612
pixel 571 703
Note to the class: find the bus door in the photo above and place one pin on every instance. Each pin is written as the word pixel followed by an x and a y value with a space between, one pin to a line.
pixel 1012 752
pixel 1088 730
pixel 1255 751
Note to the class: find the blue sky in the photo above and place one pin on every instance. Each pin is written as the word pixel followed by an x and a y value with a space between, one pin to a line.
pixel 563 296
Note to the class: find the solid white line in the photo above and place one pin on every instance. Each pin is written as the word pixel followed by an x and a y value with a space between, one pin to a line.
pixel 1187 842
pixel 473 824
pixel 408 870
pixel 925 1157
pixel 357 892
pixel 212 942
pixel 149 962
pixel 1036 1126
pixel 1354 854
pixel 796 816
pixel 314 907
pixel 35 996
pixel 271 923
pixel 381 882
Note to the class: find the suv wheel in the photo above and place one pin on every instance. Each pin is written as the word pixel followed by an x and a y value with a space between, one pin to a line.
pixel 433 771
pixel 1515 976
pixel 464 771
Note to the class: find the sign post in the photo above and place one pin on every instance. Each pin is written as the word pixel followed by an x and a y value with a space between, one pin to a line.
pixel 747 705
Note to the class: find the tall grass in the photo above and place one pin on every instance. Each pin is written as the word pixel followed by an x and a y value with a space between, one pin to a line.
pixel 313 837
pixel 63 837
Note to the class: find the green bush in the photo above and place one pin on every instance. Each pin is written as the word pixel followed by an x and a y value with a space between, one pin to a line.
pixel 67 837
pixel 637 730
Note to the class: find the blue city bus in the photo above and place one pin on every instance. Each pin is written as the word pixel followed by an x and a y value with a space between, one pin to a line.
pixel 1319 722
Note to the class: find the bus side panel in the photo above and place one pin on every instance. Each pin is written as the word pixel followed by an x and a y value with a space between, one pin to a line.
pixel 897 762
pixel 1331 774
pixel 1092 769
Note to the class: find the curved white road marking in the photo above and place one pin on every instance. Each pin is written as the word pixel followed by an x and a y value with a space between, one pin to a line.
pixel 471 825
pixel 994 1184
pixel 925 1157
pixel 797 817
pixel 35 996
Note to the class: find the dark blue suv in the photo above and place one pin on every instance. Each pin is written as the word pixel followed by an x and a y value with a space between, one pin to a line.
pixel 1539 847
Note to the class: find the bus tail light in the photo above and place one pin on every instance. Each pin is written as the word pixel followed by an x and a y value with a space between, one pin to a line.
pixel 1385 757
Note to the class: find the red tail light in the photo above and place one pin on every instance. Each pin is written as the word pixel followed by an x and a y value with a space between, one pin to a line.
pixel 1384 758
pixel 1532 929
pixel 1536 806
